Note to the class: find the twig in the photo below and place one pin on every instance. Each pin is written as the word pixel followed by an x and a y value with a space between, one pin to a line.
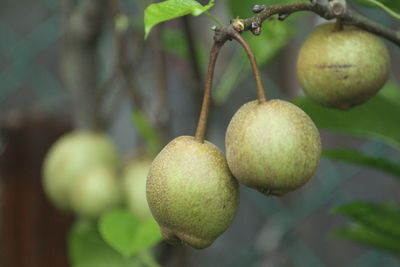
pixel 349 17
pixel 82 30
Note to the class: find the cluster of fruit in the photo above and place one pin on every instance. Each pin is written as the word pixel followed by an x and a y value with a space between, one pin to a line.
pixel 271 146
pixel 81 174
pixel 192 189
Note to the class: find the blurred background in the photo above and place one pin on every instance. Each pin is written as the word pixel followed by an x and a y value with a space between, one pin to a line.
pixel 81 64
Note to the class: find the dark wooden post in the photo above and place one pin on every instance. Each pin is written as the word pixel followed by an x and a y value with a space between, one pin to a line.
pixel 32 232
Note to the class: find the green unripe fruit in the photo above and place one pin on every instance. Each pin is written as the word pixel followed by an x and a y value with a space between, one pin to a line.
pixel 191 192
pixel 71 155
pixel 342 69
pixel 273 146
pixel 95 191
pixel 134 186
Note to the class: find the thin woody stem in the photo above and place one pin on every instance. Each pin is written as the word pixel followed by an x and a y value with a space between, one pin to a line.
pixel 202 124
pixel 253 63
pixel 349 17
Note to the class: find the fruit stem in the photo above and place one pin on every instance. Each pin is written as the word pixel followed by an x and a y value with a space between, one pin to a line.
pixel 256 72
pixel 338 25
pixel 202 124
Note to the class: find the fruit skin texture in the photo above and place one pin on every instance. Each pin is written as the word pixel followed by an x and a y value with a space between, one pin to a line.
pixel 272 146
pixel 191 192
pixel 342 69
pixel 69 156
pixel 134 186
pixel 95 191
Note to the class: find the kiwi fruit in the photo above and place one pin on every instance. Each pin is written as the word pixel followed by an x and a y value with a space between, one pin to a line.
pixel 272 146
pixel 342 68
pixel 191 192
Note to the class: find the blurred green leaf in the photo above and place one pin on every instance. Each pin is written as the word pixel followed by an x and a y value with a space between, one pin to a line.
pixel 127 233
pixel 118 228
pixel 376 225
pixel 392 4
pixel 366 236
pixel 391 91
pixel 147 131
pixel 174 41
pixel 376 118
pixel 86 248
pixel 381 218
pixel 171 9
pixel 357 157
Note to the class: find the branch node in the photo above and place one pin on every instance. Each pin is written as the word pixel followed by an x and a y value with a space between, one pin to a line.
pixel 258 8
pixel 337 7
pixel 255 28
pixel 283 16
pixel 238 24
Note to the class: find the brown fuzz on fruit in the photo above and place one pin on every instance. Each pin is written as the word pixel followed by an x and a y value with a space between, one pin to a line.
pixel 342 68
pixel 191 192
pixel 272 146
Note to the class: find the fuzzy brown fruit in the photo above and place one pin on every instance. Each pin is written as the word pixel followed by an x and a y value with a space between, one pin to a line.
pixel 273 146
pixel 191 192
pixel 342 68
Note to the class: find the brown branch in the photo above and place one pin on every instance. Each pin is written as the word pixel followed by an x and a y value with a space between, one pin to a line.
pixel 349 17
pixel 122 65
pixel 79 67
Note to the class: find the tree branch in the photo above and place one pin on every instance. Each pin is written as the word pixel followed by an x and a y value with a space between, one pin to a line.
pixel 79 67
pixel 349 17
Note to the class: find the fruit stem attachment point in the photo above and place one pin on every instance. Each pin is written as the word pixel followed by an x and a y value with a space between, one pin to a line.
pixel 256 72
pixel 338 25
pixel 202 124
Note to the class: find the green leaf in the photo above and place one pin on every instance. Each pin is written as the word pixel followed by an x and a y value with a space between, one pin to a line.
pixel 381 218
pixel 87 249
pixel 391 91
pixel 357 157
pixel 147 131
pixel 391 4
pixel 171 9
pixel 366 236
pixel 127 233
pixel 118 228
pixel 375 118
